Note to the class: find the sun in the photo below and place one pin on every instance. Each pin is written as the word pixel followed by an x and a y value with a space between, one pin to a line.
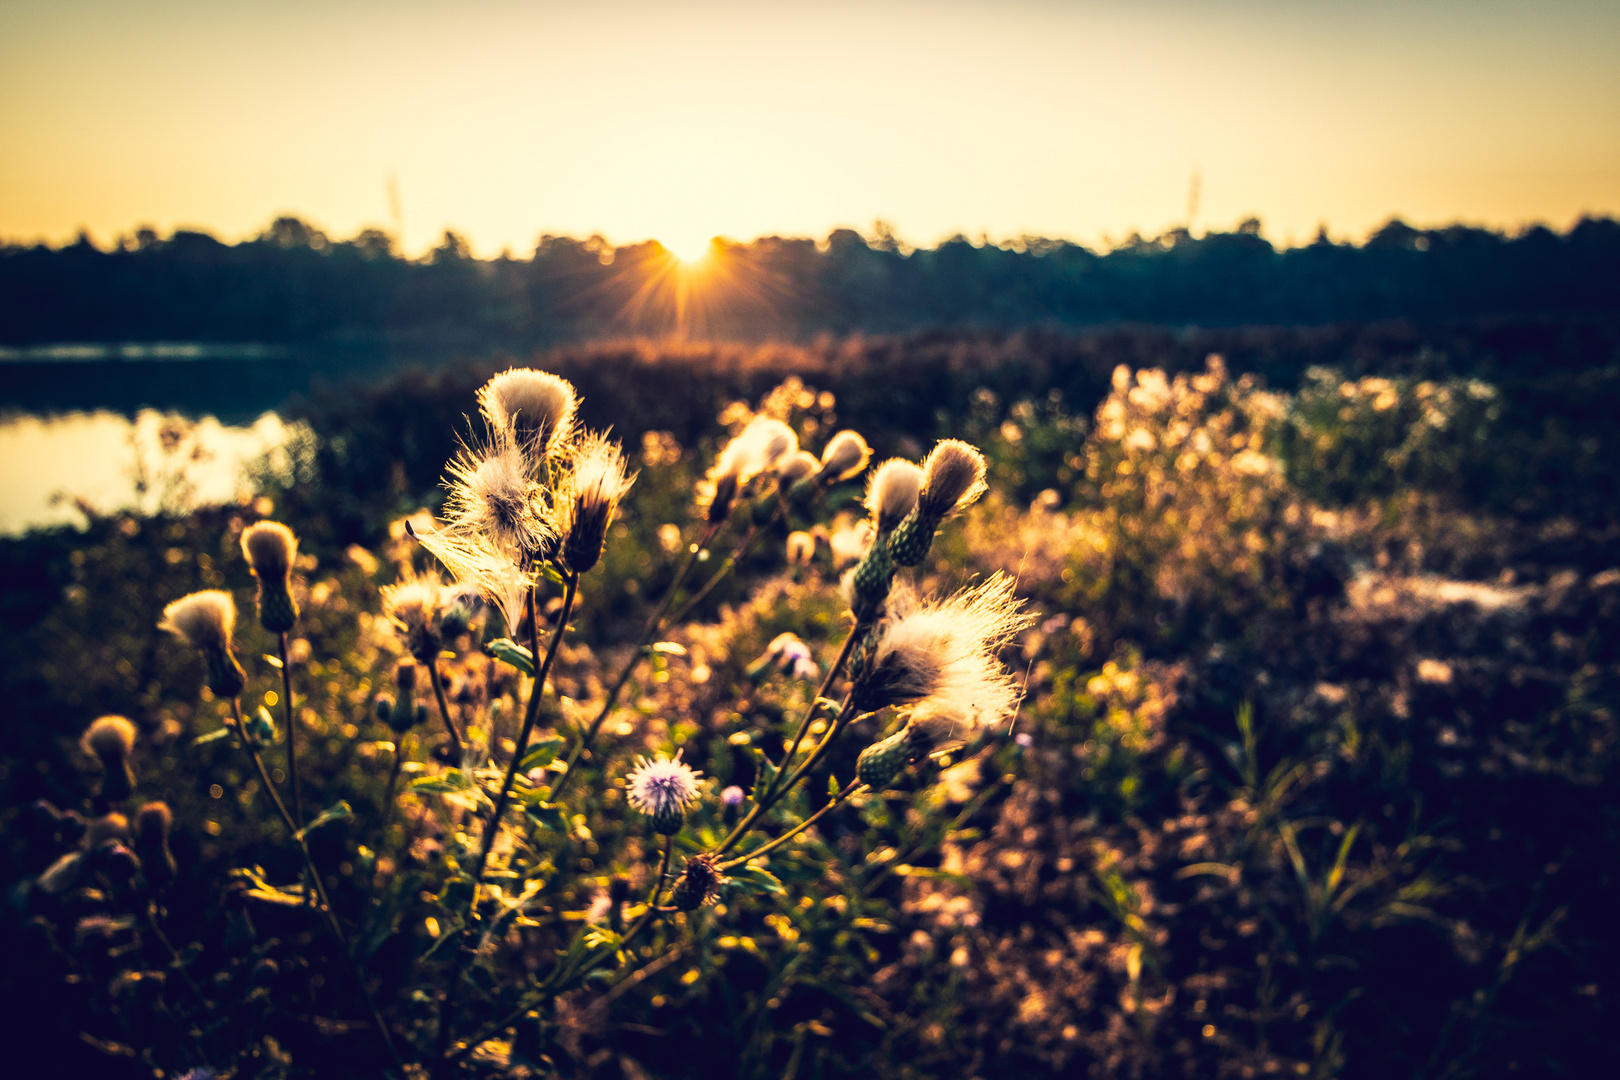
pixel 688 250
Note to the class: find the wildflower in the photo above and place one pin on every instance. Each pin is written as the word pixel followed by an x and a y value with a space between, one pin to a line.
pixel 492 499
pixel 112 739
pixel 757 448
pixel 850 543
pixel 845 455
pixel 662 789
pixel 532 411
pixel 699 883
pixel 940 659
pixel 797 466
pixel 770 439
pixel 270 548
pixel 590 496
pixel 416 606
pixel 152 823
pixel 207 620
pixel 952 479
pixel 732 797
pixel 890 497
pixel 787 654
pixel 801 548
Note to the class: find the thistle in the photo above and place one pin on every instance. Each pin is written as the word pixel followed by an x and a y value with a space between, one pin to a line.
pixel 662 789
pixel 416 607
pixel 699 882
pixel 270 548
pixel 589 497
pixel 207 620
pixel 891 495
pixel 795 467
pixel 845 455
pixel 801 548
pixel 112 740
pixel 493 502
pixel 952 480
pixel 753 451
pixel 531 411
pixel 883 761
pixel 788 654
pixel 152 822
pixel 940 658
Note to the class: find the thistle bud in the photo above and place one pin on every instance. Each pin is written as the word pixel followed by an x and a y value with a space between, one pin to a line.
pixel 384 708
pixel 152 822
pixel 591 496
pixel 207 620
pixel 953 478
pixel 870 583
pixel 699 882
pixel 533 410
pixel 405 679
pixel 112 740
pixel 845 455
pixel 771 440
pixel 886 759
pixel 271 549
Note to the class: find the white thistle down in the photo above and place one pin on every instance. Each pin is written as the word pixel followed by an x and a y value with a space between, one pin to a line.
pixel 530 410
pixel 492 496
pixel 940 657
pixel 206 619
pixel 587 499
pixel 845 454
pixel 892 493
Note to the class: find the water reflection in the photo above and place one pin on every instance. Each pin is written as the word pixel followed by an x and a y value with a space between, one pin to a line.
pixel 107 461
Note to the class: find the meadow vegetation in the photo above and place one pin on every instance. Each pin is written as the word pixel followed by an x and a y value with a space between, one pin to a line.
pixel 1312 771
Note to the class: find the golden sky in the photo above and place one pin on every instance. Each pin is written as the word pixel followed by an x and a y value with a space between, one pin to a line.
pixel 684 120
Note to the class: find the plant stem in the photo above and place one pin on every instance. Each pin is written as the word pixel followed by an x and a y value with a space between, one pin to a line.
pixel 444 707
pixel 775 789
pixel 532 713
pixel 393 782
pixel 292 733
pixel 332 923
pixel 837 801
pixel 654 623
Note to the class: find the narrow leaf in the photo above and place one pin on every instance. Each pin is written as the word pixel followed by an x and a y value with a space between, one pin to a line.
pixel 211 736
pixel 541 752
pixel 514 654
pixel 336 812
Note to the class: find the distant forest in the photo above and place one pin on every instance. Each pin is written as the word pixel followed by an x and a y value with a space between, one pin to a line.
pixel 295 286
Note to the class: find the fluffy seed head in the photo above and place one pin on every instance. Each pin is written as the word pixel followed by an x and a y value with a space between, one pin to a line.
pixel 940 657
pixel 771 440
pixel 953 479
pixel 111 738
pixel 416 607
pixel 531 410
pixel 756 449
pixel 206 619
pixel 801 548
pixel 482 568
pixel 799 465
pixel 152 823
pixel 270 548
pixel 848 544
pixel 491 496
pixel 590 496
pixel 845 454
pixel 663 788
pixel 893 493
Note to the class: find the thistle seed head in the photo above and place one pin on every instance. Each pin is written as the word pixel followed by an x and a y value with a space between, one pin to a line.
pixel 799 465
pixel 771 440
pixel 892 493
pixel 801 548
pixel 590 496
pixel 110 738
pixel 492 499
pixel 941 657
pixel 206 619
pixel 530 410
pixel 270 548
pixel 953 479
pixel 845 455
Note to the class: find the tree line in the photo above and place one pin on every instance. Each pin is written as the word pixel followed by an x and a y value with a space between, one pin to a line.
pixel 294 285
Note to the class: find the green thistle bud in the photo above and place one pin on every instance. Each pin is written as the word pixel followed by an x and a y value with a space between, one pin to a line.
pixel 207 619
pixel 872 581
pixel 912 538
pixel 884 760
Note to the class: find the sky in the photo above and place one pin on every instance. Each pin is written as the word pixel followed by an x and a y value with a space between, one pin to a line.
pixel 679 121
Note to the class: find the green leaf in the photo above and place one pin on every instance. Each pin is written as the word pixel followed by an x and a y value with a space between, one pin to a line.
pixel 514 654
pixel 755 879
pixel 212 736
pixel 550 816
pixel 540 753
pixel 447 781
pixel 832 784
pixel 336 812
